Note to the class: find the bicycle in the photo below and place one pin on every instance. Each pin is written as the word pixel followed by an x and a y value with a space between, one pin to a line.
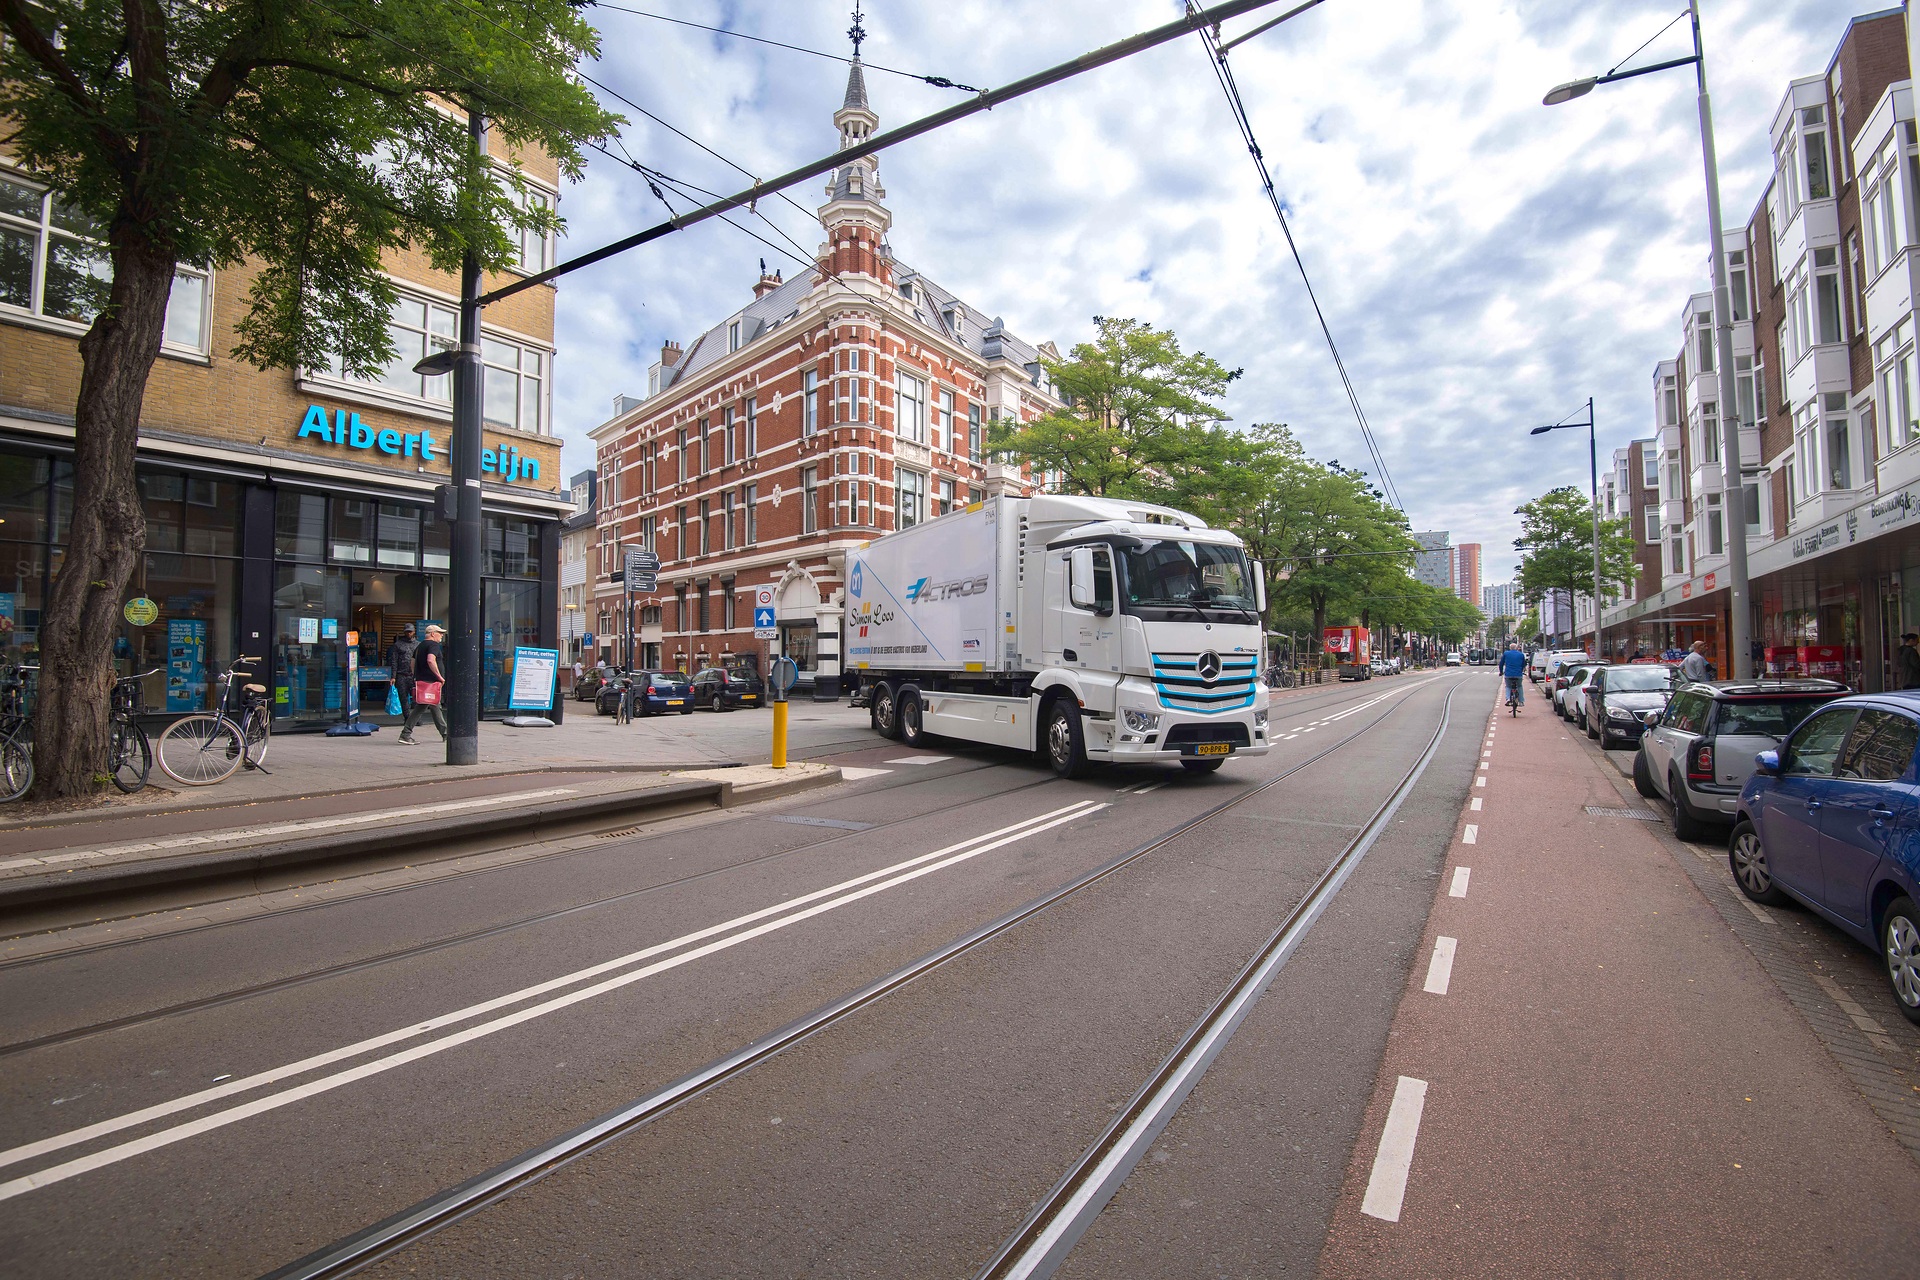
pixel 200 750
pixel 129 750
pixel 1513 696
pixel 16 735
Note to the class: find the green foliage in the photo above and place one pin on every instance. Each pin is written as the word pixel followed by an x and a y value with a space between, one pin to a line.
pixel 313 136
pixel 1139 418
pixel 1556 537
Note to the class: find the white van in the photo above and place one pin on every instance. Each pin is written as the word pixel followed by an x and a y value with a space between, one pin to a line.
pixel 1543 660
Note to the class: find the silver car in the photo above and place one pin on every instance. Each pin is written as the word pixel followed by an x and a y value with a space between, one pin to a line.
pixel 1698 754
pixel 1567 695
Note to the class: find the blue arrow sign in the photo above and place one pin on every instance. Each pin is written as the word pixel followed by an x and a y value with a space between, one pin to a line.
pixel 763 617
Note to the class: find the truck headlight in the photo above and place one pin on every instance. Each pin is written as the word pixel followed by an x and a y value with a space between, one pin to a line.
pixel 1259 718
pixel 1141 721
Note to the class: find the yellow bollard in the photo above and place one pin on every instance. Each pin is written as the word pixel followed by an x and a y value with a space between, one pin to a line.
pixel 780 734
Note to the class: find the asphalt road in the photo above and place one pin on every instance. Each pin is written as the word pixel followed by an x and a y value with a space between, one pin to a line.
pixel 221 1101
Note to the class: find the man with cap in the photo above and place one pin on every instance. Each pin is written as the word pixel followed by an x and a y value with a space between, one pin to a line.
pixel 1906 661
pixel 428 669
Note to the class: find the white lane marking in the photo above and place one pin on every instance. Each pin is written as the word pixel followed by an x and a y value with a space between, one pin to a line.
pixel 1458 889
pixel 1471 835
pixel 917 760
pixel 1480 781
pixel 1440 968
pixel 232 835
pixel 852 773
pixel 1483 764
pixel 1387 1184
pixel 1003 835
pixel 220 1119
pixel 1150 787
pixel 1477 802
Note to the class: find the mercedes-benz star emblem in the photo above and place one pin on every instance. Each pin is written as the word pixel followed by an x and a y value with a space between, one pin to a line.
pixel 1209 666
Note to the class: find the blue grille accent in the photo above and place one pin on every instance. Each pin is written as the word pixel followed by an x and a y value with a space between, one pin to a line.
pixel 1176 678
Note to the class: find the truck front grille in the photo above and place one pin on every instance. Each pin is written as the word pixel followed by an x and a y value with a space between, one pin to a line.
pixel 1177 679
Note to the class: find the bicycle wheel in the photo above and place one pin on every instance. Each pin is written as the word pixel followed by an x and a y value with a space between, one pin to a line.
pixel 259 733
pixel 197 751
pixel 129 757
pixel 16 769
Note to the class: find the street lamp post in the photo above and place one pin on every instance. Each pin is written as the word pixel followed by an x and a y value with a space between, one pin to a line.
pixel 1593 464
pixel 1734 503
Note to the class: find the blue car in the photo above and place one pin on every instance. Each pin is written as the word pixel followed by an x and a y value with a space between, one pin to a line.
pixel 1832 820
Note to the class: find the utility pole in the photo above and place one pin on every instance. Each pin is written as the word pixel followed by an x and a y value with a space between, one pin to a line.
pixel 463 604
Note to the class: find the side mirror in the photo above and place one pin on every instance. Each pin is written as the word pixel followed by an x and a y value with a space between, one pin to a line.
pixel 1767 762
pixel 1080 578
pixel 1259 572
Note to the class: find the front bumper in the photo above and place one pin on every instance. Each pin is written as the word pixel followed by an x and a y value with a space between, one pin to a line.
pixel 1177 735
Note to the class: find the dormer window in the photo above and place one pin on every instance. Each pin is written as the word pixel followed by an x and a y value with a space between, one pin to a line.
pixel 733 336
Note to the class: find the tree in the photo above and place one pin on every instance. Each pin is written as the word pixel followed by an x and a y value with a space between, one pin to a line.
pixel 1138 411
pixel 1499 628
pixel 1556 537
pixel 309 138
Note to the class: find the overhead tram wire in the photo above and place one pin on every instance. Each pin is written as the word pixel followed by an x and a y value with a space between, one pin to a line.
pixel 630 162
pixel 986 100
pixel 938 82
pixel 1224 74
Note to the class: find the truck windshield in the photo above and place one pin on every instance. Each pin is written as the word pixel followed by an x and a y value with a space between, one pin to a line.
pixel 1181 575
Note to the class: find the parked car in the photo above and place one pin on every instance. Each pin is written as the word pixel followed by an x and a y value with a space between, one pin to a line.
pixel 1832 819
pixel 1569 695
pixel 1698 753
pixel 1617 699
pixel 727 688
pixel 1540 665
pixel 655 693
pixel 1565 676
pixel 587 688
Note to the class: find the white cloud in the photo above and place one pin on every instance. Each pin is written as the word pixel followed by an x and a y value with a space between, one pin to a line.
pixel 1486 263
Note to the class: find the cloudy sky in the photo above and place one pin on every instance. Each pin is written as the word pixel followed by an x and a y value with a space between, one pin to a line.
pixel 1486 263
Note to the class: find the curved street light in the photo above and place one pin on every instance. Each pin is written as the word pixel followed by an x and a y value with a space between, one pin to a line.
pixel 1593 462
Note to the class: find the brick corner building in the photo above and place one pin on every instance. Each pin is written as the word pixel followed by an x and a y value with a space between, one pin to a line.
pixel 848 402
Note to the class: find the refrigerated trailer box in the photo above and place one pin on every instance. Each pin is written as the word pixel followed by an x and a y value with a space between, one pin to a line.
pixel 1089 628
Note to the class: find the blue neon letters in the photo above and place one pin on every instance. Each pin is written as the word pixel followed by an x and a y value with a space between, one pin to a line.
pixel 345 428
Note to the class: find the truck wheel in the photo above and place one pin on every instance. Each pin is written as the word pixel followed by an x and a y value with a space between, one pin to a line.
pixel 1202 766
pixel 1061 740
pixel 885 711
pixel 912 732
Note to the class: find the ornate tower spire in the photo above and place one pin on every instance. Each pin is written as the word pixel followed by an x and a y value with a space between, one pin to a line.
pixel 855 219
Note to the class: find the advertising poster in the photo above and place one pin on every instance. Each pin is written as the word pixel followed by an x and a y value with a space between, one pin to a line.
pixel 534 672
pixel 309 631
pixel 186 664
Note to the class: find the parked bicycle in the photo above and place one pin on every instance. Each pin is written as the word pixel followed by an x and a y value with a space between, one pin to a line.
pixel 129 751
pixel 16 734
pixel 200 750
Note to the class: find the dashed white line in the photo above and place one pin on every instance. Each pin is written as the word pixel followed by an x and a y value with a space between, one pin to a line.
pixel 1458 889
pixel 1477 802
pixel 1480 781
pixel 918 759
pixel 1440 968
pixel 853 773
pixel 1471 835
pixel 1387 1184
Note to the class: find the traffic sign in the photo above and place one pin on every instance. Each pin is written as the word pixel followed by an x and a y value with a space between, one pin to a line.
pixel 785 671
pixel 643 571
pixel 763 597
pixel 764 624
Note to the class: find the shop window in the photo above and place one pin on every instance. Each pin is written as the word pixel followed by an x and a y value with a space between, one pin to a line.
pixel 309 664
pixel 24 483
pixel 436 544
pixel 23 579
pixel 515 379
pixel 509 618
pixel 399 545
pixel 351 536
pixel 513 547
pixel 52 264
pixel 299 526
pixel 193 640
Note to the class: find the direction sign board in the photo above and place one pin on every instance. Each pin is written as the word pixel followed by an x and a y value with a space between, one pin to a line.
pixel 643 571
pixel 764 624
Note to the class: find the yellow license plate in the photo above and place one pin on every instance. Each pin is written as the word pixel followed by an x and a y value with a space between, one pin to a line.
pixel 674 702
pixel 748 697
pixel 1213 749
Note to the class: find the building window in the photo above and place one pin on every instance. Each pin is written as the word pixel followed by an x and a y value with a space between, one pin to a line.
pixel 533 249
pixel 706 446
pixel 1759 386
pixel 515 385
pixel 726 519
pixel 1883 215
pixel 706 521
pixel 52 264
pixel 1674 491
pixel 1813 125
pixel 1856 284
pixel 749 503
pixel 1716 527
pixel 1806 450
pixel 809 499
pixel 733 344
pixel 1709 450
pixel 705 619
pixel 1737 284
pixel 680 454
pixel 416 329
pixel 726 604
pixel 1649 470
pixel 1899 396
pixel 1670 402
pixel 1676 550
pixel 752 446
pixel 729 435
pixel 1653 525
pixel 910 408
pixel 1800 322
pixel 910 495
pixel 974 443
pixel 809 402
pixel 1826 289
pixel 1839 454
pixel 686 532
pixel 1743 390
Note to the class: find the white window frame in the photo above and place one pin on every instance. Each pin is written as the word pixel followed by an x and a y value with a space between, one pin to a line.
pixel 504 358
pixel 809 500
pixel 910 497
pixel 910 407
pixel 809 403
pixel 1899 393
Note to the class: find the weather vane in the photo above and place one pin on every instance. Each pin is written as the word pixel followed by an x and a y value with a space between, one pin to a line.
pixel 856 32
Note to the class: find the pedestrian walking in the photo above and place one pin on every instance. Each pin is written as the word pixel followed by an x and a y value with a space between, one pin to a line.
pixel 1695 666
pixel 579 673
pixel 429 677
pixel 400 662
pixel 1907 661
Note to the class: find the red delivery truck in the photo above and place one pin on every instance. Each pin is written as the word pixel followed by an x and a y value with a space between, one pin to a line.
pixel 1352 650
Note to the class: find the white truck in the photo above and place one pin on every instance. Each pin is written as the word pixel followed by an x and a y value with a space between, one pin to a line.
pixel 1084 628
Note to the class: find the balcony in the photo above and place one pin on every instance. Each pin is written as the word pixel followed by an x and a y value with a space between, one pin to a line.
pixel 1890 297
pixel 1900 468
pixel 1815 226
pixel 1823 368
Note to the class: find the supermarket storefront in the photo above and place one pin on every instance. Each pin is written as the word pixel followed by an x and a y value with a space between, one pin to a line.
pixel 313 568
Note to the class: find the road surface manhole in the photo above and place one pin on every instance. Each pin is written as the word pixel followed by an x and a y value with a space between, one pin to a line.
pixel 1641 815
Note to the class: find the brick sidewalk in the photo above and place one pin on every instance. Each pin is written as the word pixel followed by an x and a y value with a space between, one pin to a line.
pixel 1599 1078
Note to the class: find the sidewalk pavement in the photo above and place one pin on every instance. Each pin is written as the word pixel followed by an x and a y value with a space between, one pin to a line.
pixel 1589 1074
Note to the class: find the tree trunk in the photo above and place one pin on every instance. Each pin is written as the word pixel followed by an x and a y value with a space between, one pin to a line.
pixel 108 532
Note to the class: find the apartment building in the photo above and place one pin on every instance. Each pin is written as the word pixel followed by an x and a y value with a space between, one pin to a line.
pixel 289 513
pixel 1823 293
pixel 847 402
pixel 1433 563
pixel 1466 572
pixel 579 538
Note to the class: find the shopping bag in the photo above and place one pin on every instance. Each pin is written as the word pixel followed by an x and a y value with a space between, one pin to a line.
pixel 426 692
pixel 393 701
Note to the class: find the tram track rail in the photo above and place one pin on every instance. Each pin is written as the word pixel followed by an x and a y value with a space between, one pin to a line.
pixel 395 1234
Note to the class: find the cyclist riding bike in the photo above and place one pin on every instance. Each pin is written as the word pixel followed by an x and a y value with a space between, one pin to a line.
pixel 1513 666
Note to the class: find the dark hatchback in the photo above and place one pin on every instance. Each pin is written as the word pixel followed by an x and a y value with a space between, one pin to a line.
pixel 1832 819
pixel 727 688
pixel 1620 699
pixel 655 693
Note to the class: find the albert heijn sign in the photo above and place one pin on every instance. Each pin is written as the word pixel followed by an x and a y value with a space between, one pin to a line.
pixel 343 428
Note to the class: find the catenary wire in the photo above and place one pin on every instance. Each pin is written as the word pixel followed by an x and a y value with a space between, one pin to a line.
pixel 938 82
pixel 1224 74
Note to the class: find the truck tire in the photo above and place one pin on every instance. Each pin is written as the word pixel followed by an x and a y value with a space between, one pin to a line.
pixel 1061 740
pixel 912 732
pixel 884 710
pixel 1203 766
